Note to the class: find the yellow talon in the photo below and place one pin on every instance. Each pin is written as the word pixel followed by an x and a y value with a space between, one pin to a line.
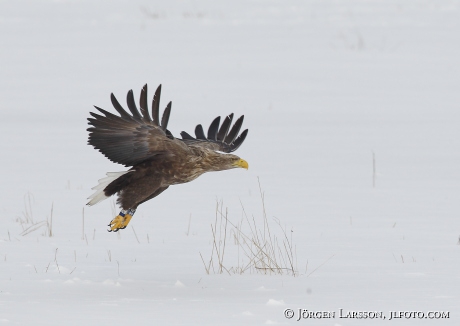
pixel 120 222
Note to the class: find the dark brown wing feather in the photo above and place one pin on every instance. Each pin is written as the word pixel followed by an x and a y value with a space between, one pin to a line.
pixel 143 104
pixel 131 139
pixel 219 139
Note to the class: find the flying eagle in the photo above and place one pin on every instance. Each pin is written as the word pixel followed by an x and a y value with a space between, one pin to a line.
pixel 157 159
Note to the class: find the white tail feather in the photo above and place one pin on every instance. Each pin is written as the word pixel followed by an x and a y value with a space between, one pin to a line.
pixel 99 195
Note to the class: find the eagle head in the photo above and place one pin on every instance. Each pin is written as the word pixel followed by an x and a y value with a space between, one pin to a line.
pixel 218 161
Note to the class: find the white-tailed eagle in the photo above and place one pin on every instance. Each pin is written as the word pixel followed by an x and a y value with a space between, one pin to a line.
pixel 157 159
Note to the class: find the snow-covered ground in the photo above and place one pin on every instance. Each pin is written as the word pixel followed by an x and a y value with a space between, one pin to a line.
pixel 325 86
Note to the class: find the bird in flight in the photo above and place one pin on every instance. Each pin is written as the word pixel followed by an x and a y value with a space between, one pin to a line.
pixel 156 158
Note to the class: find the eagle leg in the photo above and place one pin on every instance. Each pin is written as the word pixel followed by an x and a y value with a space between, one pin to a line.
pixel 121 220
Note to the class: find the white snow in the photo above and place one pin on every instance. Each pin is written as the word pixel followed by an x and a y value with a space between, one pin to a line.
pixel 273 302
pixel 325 86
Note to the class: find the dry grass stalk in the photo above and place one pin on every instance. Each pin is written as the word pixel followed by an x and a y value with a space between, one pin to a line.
pixel 262 250
pixel 135 234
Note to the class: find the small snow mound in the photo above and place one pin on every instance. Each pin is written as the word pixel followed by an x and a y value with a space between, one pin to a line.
pixel 111 282
pixel 273 302
pixel 4 320
pixel 248 313
pixel 263 288
pixel 179 284
pixel 59 269
pixel 270 322
pixel 76 280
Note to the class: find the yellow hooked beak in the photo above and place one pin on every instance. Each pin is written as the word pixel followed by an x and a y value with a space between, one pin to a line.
pixel 241 164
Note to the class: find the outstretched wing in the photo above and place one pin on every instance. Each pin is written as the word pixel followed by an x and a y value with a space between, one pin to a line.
pixel 221 139
pixel 130 139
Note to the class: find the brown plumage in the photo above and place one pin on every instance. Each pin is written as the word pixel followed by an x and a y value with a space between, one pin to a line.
pixel 157 159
